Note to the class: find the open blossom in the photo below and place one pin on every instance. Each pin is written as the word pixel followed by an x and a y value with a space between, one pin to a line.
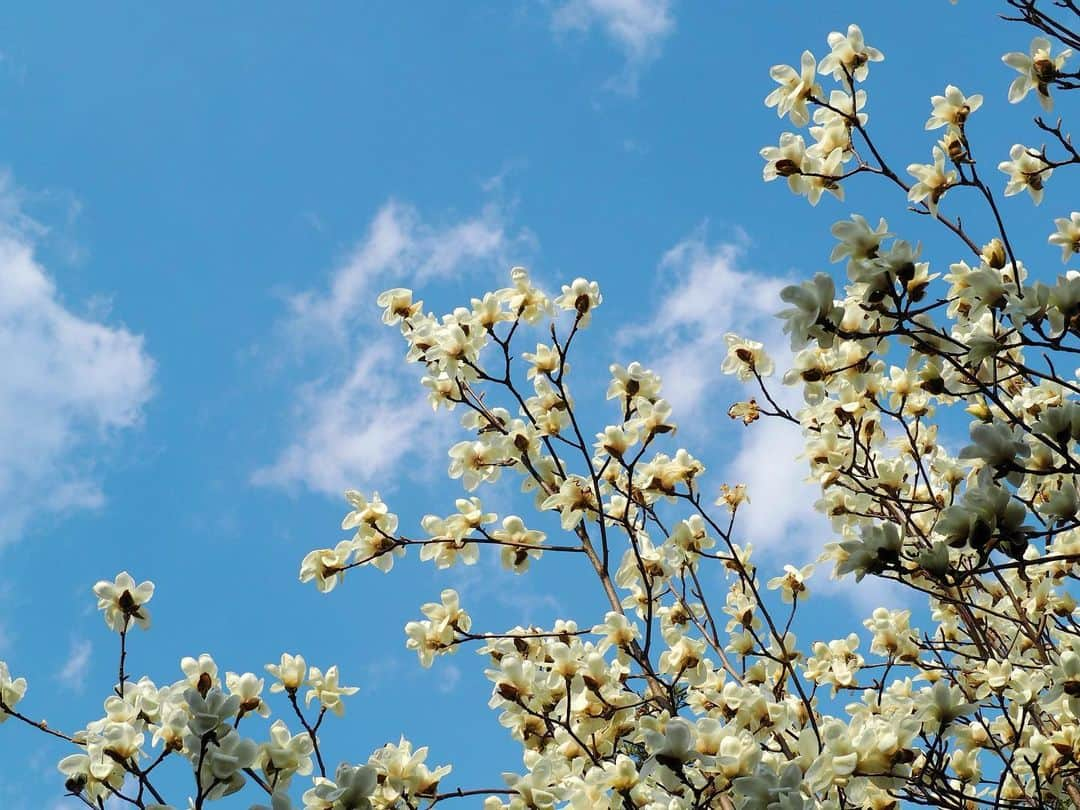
pixel 824 174
pixel 1067 236
pixel 122 600
pixel 745 358
pixel 285 754
pixel 1037 70
pixel 633 381
pixel 792 583
pixel 850 55
pixel 1026 171
pixel 933 180
pixel 544 361
pixel 290 673
pixel 428 639
pixel 11 690
pixel 953 108
pixel 201 673
pixel 524 299
pixel 616 631
pixel 326 566
pixel 326 689
pixel 523 544
pixel 248 687
pixel 580 295
pixel 732 496
pixel 786 160
pixel 436 634
pixel 575 500
pixel 367 512
pixel 796 86
pixel 857 240
pixel 351 787
pixel 398 305
pixel 747 411
pixel 97 776
pixel 401 771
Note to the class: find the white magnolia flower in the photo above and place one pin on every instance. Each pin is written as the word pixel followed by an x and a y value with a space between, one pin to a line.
pixel 953 108
pixel 248 687
pixel 745 357
pixel 1026 171
pixel 580 295
pixel 850 55
pixel 326 689
pixel 1067 236
pixel 796 86
pixel 285 754
pixel 792 583
pixel 122 600
pixel 1037 70
pixel 398 305
pixel 290 673
pixel 933 180
pixel 327 566
pixel 11 690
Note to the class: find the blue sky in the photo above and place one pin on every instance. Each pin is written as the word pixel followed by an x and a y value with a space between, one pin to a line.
pixel 197 208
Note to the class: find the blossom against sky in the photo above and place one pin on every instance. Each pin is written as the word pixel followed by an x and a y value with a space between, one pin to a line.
pixel 198 209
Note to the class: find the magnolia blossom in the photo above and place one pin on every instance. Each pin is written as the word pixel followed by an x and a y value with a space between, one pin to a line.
pixel 248 687
pixel 792 583
pixel 850 55
pixel 327 566
pixel 201 673
pixel 581 296
pixel 326 689
pixel 933 180
pixel 285 754
pixel 1037 69
pixel 953 108
pixel 1067 236
pixel 122 600
pixel 745 358
pixel 11 690
pixel 796 86
pixel 1026 171
pixel 398 305
pixel 290 673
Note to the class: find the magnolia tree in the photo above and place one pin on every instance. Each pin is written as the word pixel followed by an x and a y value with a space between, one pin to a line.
pixel 691 691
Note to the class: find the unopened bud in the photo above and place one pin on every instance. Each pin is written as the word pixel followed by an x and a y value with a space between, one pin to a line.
pixel 993 253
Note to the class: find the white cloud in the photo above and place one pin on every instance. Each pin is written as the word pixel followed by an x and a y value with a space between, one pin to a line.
pixel 73 673
pixel 68 382
pixel 356 430
pixel 708 292
pixel 637 27
pixel 449 678
pixel 357 427
pixel 398 244
pixel 704 294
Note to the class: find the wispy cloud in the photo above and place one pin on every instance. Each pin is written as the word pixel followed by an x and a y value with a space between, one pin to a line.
pixel 366 415
pixel 73 673
pixel 398 245
pixel 705 291
pixel 637 27
pixel 69 382
pixel 708 291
